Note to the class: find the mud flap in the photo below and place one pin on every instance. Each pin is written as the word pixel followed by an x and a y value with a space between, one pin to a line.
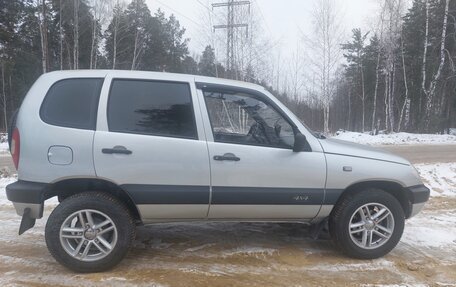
pixel 317 231
pixel 27 221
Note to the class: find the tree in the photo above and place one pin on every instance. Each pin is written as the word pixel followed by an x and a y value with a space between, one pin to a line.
pixel 189 66
pixel 138 18
pixel 115 35
pixel 430 89
pixel 44 35
pixel 207 65
pixel 354 55
pixel 325 50
pixel 99 10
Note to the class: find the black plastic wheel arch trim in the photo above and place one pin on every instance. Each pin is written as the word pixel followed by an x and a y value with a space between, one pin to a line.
pixel 418 193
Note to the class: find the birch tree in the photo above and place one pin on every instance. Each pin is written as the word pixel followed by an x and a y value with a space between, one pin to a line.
pixel 393 10
pixel 76 34
pixel 61 35
pixel 100 11
pixel 4 106
pixel 405 111
pixel 116 33
pixel 429 89
pixel 43 35
pixel 325 52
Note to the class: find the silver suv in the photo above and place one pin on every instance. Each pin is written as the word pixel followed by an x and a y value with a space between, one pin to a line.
pixel 122 148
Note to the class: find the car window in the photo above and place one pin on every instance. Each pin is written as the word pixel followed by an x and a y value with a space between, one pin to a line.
pixel 151 108
pixel 72 103
pixel 243 119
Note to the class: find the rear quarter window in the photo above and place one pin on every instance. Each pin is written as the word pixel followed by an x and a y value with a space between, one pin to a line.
pixel 72 103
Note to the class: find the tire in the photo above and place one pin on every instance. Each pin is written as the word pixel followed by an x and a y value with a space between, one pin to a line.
pixel 348 228
pixel 65 234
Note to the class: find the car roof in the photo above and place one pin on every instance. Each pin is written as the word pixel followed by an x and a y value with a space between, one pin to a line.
pixel 160 75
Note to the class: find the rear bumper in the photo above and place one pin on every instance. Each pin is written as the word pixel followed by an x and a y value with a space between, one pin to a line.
pixel 418 196
pixel 26 194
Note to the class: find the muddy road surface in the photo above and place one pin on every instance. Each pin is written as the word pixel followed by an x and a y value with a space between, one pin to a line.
pixel 424 153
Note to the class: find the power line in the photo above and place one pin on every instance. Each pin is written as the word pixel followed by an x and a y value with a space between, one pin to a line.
pixel 183 15
pixel 262 16
pixel 205 6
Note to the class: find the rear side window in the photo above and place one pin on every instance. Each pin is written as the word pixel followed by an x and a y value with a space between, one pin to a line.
pixel 151 108
pixel 72 103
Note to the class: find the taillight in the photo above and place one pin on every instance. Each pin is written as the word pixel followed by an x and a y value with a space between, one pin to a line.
pixel 16 147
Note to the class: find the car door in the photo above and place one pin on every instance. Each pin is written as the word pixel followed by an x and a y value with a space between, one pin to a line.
pixel 149 141
pixel 254 172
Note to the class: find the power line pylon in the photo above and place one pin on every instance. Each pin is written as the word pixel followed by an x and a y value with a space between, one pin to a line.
pixel 230 28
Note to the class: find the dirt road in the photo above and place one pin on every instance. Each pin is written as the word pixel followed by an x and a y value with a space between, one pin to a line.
pixel 424 153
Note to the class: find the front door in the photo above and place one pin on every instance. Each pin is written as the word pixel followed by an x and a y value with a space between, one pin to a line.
pixel 254 172
pixel 151 144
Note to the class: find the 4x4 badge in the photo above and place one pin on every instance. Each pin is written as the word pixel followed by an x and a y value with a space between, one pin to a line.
pixel 301 198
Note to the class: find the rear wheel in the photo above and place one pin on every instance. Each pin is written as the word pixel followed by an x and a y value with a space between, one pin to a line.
pixel 89 232
pixel 367 224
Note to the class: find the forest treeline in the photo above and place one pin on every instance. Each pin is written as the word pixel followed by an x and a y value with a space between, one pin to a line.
pixel 403 77
pixel 398 77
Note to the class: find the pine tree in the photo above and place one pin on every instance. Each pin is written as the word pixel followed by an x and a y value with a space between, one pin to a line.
pixel 206 65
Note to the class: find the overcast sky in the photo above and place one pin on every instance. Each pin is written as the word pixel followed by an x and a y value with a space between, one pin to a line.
pixel 281 19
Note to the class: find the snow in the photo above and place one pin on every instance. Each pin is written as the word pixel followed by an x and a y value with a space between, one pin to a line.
pixel 431 230
pixel 440 177
pixel 3 183
pixel 4 148
pixel 395 138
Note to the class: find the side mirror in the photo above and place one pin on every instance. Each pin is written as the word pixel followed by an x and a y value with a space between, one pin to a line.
pixel 300 142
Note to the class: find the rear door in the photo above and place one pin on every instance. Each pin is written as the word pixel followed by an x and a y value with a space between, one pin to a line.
pixel 149 141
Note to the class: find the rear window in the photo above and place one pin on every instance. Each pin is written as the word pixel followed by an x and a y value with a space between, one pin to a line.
pixel 72 103
pixel 151 108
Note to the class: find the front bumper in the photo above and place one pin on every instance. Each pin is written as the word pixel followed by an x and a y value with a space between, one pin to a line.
pixel 418 196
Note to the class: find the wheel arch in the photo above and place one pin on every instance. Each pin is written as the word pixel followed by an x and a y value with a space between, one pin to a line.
pixel 391 187
pixel 67 187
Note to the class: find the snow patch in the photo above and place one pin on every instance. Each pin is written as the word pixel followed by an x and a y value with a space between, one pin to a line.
pixel 249 251
pixel 373 265
pixel 395 138
pixel 436 230
pixel 198 248
pixel 440 177
pixel 4 148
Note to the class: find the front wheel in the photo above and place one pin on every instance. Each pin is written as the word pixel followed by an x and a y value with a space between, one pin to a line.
pixel 89 232
pixel 367 224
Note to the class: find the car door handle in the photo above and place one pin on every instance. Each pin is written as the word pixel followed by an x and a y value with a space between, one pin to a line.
pixel 227 156
pixel 117 150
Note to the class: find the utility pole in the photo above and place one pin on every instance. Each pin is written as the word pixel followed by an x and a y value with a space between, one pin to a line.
pixel 230 28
